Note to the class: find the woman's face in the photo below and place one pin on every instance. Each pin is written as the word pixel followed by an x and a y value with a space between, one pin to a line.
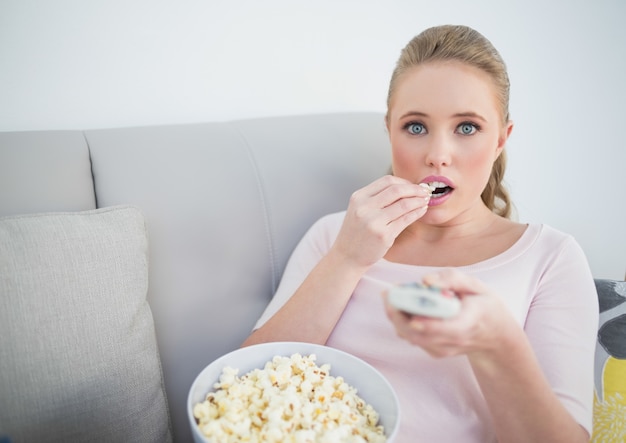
pixel 445 127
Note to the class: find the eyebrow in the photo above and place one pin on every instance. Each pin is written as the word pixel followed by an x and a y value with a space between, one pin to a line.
pixel 470 114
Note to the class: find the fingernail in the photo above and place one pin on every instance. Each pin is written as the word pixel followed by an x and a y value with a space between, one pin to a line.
pixel 425 186
pixel 428 189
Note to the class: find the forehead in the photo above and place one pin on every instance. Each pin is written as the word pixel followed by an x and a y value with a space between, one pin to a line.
pixel 445 88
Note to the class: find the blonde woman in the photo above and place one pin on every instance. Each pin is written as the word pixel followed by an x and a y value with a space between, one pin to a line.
pixel 516 363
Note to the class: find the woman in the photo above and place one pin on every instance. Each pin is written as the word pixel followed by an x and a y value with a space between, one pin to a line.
pixel 516 364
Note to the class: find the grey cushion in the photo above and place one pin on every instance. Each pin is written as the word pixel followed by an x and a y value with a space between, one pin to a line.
pixel 78 355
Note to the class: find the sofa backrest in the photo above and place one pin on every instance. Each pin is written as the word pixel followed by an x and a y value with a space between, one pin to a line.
pixel 224 203
pixel 44 171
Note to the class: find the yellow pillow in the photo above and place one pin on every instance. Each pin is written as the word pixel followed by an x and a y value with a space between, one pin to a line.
pixel 609 411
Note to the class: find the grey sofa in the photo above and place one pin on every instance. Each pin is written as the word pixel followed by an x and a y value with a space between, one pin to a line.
pixel 130 258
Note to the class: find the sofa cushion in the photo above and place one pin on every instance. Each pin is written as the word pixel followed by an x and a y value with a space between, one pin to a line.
pixel 610 364
pixel 77 343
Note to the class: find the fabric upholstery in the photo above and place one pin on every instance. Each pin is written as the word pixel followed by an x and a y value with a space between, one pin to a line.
pixel 610 364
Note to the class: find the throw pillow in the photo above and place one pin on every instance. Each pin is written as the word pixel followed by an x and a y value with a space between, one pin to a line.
pixel 78 354
pixel 609 418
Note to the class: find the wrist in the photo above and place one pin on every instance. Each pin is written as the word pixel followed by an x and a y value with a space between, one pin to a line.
pixel 345 262
pixel 508 343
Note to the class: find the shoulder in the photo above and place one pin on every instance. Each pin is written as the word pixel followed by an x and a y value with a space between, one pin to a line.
pixel 553 239
pixel 332 219
pixel 328 225
pixel 544 249
pixel 323 232
pixel 561 254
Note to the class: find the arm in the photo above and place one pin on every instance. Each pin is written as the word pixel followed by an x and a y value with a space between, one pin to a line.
pixel 312 312
pixel 523 405
pixel 529 375
pixel 375 216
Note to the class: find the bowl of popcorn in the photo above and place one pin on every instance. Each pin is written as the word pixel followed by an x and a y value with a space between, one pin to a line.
pixel 291 392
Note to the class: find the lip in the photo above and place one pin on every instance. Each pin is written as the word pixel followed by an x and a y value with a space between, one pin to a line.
pixel 434 201
pixel 438 178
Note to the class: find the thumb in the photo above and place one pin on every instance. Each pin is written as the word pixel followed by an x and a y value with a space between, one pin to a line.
pixel 456 281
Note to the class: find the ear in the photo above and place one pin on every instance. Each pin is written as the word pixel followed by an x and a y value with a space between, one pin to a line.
pixel 504 136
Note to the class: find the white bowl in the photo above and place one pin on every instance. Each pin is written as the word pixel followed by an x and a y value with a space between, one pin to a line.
pixel 370 384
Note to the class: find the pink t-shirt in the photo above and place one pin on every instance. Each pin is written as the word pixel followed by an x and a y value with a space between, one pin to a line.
pixel 544 279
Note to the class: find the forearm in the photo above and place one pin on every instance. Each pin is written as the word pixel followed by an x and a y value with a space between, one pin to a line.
pixel 312 312
pixel 523 405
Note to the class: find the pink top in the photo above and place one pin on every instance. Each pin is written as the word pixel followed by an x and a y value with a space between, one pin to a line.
pixel 544 279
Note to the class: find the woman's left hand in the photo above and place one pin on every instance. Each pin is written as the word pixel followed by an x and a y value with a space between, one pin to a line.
pixel 482 320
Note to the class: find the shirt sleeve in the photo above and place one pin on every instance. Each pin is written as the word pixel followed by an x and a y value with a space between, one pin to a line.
pixel 562 327
pixel 313 246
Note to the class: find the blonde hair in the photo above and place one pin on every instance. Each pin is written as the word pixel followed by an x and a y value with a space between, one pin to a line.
pixel 465 45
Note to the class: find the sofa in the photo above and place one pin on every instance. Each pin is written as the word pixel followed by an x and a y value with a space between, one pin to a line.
pixel 130 258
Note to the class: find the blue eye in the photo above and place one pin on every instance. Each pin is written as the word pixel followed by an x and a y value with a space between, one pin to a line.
pixel 467 128
pixel 415 128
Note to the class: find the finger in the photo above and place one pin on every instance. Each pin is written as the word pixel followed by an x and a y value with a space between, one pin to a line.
pixel 402 205
pixel 389 199
pixel 400 320
pixel 388 189
pixel 378 185
pixel 434 344
pixel 405 207
pixel 425 333
pixel 399 192
pixel 456 281
pixel 441 331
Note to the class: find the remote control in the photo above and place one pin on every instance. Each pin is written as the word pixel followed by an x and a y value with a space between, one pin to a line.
pixel 418 299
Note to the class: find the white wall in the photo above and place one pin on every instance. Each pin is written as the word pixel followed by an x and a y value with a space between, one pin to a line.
pixel 82 64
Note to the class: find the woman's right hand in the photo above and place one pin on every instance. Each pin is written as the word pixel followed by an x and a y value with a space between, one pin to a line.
pixel 376 215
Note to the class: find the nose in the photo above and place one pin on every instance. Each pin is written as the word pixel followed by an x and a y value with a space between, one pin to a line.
pixel 439 152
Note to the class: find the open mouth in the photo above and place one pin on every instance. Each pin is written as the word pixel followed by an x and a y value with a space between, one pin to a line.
pixel 439 189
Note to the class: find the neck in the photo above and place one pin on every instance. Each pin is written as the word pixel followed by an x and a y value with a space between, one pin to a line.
pixel 472 223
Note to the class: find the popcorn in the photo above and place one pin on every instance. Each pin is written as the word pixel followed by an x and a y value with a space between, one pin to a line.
pixel 290 400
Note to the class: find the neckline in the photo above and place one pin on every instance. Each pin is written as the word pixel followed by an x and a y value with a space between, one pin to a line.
pixel 522 244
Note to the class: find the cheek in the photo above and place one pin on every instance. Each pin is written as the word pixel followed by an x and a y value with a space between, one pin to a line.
pixel 402 158
pixel 481 163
